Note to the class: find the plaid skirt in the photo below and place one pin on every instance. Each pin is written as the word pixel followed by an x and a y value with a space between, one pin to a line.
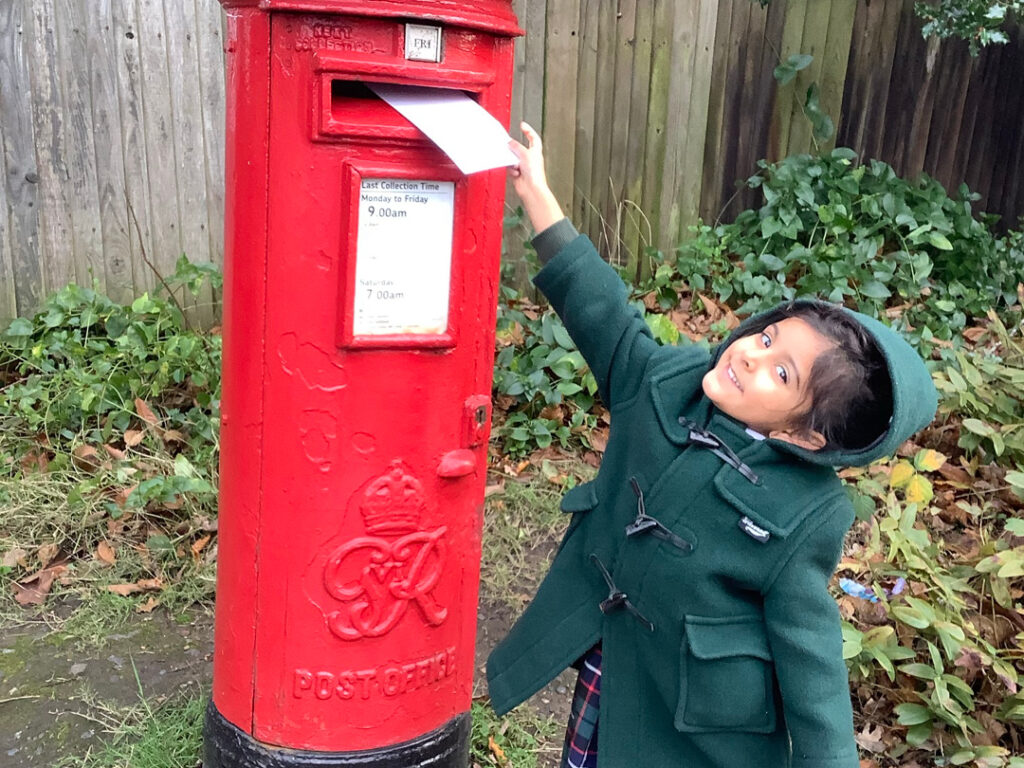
pixel 580 750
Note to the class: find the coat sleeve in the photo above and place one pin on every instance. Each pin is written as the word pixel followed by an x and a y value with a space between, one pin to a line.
pixel 593 303
pixel 804 633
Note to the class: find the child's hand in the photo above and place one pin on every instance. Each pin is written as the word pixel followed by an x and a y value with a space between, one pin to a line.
pixel 530 181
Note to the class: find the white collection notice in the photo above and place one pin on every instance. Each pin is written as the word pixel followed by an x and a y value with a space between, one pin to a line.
pixel 404 257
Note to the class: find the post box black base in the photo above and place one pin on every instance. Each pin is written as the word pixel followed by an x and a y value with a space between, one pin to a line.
pixel 227 746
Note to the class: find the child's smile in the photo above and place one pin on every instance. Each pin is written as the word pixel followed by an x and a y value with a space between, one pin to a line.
pixel 761 379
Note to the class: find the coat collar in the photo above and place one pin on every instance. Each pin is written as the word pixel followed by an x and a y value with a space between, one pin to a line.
pixel 788 488
pixel 676 390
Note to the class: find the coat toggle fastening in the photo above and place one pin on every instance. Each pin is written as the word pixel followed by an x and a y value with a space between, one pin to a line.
pixel 617 599
pixel 705 438
pixel 644 523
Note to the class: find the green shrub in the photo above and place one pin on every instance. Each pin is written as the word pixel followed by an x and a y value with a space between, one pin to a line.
pixel 73 372
pixel 860 235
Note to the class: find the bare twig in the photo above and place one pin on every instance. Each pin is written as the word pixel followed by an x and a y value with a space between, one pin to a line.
pixel 145 258
pixel 19 698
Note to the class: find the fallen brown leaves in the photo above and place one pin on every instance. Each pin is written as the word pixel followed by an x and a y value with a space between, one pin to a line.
pixel 33 589
pixel 143 585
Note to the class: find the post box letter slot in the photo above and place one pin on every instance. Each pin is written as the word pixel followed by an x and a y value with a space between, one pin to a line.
pixel 349 108
pixel 354 110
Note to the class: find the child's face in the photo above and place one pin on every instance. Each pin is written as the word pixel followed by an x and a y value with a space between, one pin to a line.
pixel 761 380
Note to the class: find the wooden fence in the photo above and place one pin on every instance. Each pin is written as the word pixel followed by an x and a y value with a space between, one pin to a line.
pixel 111 121
pixel 652 110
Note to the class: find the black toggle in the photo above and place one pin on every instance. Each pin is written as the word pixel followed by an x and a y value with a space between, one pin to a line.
pixel 617 599
pixel 708 439
pixel 644 523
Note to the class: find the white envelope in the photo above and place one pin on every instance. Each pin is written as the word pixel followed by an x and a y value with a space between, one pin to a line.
pixel 461 128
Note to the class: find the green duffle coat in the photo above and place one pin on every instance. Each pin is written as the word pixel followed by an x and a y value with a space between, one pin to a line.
pixel 720 645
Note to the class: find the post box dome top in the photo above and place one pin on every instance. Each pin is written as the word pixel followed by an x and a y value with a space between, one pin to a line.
pixel 495 16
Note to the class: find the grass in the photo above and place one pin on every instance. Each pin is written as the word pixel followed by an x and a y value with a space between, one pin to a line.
pixel 64 515
pixel 166 734
pixel 522 524
pixel 169 734
pixel 513 741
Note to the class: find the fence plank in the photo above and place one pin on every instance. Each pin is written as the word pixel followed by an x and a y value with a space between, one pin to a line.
pixel 965 131
pixel 86 230
pixel 871 50
pixel 560 98
pixel 21 176
pixel 56 243
pixel 745 125
pixel 210 35
pixel 979 172
pixel 766 95
pixel 586 110
pixel 913 163
pixel 134 185
pixel 518 68
pixel 815 37
pixel 186 113
pixel 955 66
pixel 8 303
pixel 10 42
pixel 1013 197
pixel 612 211
pixel 109 152
pixel 513 248
pixel 907 75
pixel 637 231
pixel 835 59
pixel 661 129
pixel 733 122
pixel 711 177
pixel 877 106
pixel 604 117
pixel 165 215
pixel 788 99
pixel 1005 130
pixel 535 26
pixel 690 166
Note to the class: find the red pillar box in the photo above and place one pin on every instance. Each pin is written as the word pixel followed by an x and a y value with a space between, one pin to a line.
pixel 361 283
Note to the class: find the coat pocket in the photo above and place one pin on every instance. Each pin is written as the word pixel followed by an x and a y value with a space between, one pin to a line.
pixel 727 680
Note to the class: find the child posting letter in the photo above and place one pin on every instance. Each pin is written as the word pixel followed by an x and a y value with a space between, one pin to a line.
pixel 691 585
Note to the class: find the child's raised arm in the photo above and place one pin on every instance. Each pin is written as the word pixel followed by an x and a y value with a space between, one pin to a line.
pixel 586 292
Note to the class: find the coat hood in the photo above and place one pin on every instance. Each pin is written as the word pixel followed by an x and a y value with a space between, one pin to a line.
pixel 914 398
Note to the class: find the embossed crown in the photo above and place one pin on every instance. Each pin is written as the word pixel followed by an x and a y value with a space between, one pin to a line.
pixel 393 502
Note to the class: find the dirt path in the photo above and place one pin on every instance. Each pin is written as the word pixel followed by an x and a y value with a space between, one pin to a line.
pixel 54 699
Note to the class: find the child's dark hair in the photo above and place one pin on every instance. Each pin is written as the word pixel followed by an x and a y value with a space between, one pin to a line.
pixel 848 387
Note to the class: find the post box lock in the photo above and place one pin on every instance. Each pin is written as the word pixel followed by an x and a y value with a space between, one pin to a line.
pixel 477 418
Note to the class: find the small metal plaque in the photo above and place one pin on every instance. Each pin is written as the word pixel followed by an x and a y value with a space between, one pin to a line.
pixel 422 42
